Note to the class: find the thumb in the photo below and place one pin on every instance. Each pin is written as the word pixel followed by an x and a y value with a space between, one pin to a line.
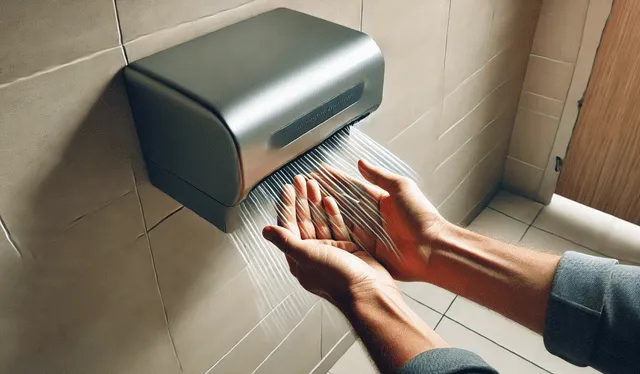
pixel 380 177
pixel 286 241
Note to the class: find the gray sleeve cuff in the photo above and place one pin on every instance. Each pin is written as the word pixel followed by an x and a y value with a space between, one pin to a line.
pixel 447 361
pixel 575 306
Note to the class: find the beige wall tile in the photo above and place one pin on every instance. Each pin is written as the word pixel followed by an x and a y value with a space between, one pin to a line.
pixel 300 351
pixel 346 13
pixel 522 178
pixel 485 177
pixel 513 22
pixel 467 40
pixel 105 317
pixel 463 101
pixel 412 36
pixel 142 17
pixel 450 174
pixel 542 104
pixel 334 326
pixel 548 78
pixel 416 145
pixel 532 138
pixel 67 140
pixel 43 34
pixel 487 111
pixel 560 28
pixel 454 208
pixel 194 259
pixel 264 338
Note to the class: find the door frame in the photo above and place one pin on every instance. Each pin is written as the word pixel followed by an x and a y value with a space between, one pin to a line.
pixel 597 17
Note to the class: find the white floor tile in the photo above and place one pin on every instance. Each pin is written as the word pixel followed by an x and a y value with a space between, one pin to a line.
pixel 428 294
pixel 622 242
pixel 501 359
pixel 516 206
pixel 510 335
pixel 576 222
pixel 355 360
pixel 497 225
pixel 546 242
pixel 429 316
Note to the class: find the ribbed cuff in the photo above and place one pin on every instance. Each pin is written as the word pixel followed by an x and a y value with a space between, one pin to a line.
pixel 575 306
pixel 447 361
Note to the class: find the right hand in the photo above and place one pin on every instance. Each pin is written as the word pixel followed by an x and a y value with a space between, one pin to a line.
pixel 412 222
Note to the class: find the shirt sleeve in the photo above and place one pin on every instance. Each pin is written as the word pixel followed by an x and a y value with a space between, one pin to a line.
pixel 593 315
pixel 447 361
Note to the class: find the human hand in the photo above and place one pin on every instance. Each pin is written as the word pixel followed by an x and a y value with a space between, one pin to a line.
pixel 315 240
pixel 412 223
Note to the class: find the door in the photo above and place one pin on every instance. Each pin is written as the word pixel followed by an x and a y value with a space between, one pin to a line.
pixel 602 166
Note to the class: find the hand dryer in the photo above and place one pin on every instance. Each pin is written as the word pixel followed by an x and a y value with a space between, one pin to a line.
pixel 218 114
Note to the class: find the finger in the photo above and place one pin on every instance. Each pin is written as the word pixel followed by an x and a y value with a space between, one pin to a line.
pixel 374 191
pixel 290 244
pixel 313 191
pixel 303 215
pixel 338 227
pixel 383 178
pixel 287 217
pixel 318 216
pixel 347 246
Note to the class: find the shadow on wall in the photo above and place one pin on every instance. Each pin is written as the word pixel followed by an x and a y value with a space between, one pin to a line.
pixel 84 297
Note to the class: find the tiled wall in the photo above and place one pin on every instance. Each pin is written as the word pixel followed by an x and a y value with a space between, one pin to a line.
pixel 549 75
pixel 102 273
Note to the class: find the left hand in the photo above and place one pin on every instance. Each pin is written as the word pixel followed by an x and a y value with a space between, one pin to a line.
pixel 315 239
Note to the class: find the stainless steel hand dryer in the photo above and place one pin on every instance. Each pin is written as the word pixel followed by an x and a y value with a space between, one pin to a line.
pixel 218 114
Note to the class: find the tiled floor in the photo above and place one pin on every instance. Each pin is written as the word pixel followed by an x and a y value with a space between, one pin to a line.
pixel 563 225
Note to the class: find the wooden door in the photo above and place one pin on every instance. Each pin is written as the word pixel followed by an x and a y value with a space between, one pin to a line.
pixel 602 167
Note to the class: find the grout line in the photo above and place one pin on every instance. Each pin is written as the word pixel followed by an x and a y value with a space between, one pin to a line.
pixel 445 312
pixel 413 123
pixel 538 112
pixel 523 162
pixel 120 38
pixel 250 331
pixel 530 225
pixel 419 302
pixel 58 67
pixel 361 14
pixel 542 96
pixel 7 235
pixel 551 59
pixel 444 65
pixel 285 338
pixel 514 218
pixel 221 13
pixel 499 345
pixel 155 272
pixel 165 218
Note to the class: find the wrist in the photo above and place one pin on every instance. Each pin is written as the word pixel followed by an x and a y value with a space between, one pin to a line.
pixel 360 298
pixel 440 240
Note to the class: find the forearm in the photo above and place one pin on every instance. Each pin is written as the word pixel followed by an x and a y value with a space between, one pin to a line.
pixel 392 333
pixel 508 279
